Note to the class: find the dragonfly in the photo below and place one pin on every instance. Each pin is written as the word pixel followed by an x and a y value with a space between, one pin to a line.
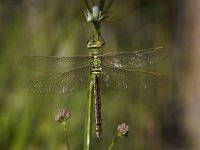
pixel 122 70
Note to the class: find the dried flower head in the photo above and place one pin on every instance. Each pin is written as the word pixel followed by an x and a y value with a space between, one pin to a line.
pixel 89 16
pixel 98 12
pixel 95 12
pixel 62 115
pixel 95 15
pixel 122 130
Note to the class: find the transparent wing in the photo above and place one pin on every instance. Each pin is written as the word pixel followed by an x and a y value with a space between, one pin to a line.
pixel 131 80
pixel 53 64
pixel 58 83
pixel 131 60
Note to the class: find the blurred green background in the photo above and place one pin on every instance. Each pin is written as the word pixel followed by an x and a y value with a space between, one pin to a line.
pixel 162 119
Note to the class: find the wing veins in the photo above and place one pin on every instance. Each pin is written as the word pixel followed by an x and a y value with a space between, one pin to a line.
pixel 131 60
pixel 54 64
pixel 56 83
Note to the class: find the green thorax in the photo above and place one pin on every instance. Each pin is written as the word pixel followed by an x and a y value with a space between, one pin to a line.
pixel 95 55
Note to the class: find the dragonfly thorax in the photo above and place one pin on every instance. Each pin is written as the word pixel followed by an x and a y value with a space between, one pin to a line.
pixel 95 61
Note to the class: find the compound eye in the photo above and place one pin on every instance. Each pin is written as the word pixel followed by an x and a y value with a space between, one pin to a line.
pixel 94 44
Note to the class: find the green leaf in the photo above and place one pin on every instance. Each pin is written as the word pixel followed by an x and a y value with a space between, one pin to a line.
pixel 88 6
pixel 101 5
pixel 92 2
pixel 108 6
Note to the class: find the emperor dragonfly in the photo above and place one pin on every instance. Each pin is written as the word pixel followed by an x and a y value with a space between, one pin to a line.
pixel 119 69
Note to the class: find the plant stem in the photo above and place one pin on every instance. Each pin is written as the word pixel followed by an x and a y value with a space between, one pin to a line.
pixel 66 137
pixel 89 115
pixel 97 31
pixel 113 143
pixel 88 120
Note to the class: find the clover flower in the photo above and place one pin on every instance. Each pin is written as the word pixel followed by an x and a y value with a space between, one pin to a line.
pixel 122 130
pixel 62 115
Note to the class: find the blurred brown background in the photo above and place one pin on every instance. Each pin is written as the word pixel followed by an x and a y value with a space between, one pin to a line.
pixel 163 119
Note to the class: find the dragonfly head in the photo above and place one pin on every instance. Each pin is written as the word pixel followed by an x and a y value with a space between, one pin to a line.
pixel 94 44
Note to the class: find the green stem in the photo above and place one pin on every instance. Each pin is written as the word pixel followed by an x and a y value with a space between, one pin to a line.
pixel 113 143
pixel 97 30
pixel 66 137
pixel 88 120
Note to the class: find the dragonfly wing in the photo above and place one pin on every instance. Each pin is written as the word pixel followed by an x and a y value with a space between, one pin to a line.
pixel 53 64
pixel 58 83
pixel 132 60
pixel 132 80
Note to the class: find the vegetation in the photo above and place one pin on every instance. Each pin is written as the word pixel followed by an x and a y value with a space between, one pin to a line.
pixel 58 28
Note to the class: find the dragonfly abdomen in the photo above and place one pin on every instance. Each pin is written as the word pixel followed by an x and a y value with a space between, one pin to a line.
pixel 96 72
pixel 97 100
